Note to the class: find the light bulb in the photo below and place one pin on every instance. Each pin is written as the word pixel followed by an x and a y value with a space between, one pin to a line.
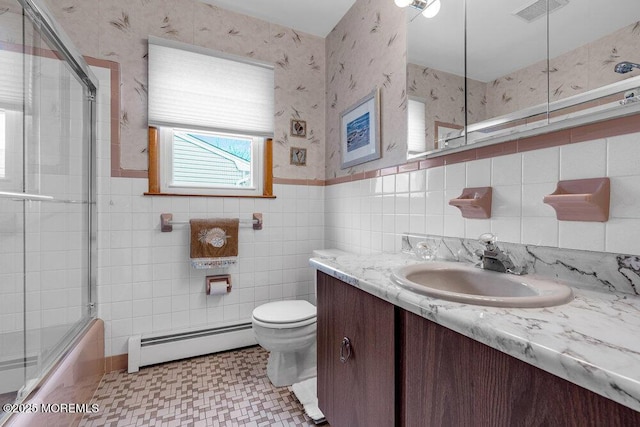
pixel 432 9
pixel 403 3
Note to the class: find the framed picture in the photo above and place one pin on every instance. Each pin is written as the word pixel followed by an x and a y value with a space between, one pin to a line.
pixel 445 130
pixel 298 128
pixel 298 156
pixel 360 131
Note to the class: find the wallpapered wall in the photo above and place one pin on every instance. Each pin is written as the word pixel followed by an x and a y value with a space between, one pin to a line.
pixel 117 30
pixel 367 49
pixel 444 97
pixel 582 69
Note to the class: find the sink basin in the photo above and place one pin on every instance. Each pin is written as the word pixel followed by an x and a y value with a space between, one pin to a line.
pixel 471 285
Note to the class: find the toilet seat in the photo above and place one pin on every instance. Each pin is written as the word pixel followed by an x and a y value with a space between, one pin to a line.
pixel 285 314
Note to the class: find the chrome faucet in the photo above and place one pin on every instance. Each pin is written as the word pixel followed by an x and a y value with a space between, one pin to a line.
pixel 492 258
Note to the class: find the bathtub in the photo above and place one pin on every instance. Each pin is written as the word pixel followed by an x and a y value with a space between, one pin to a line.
pixel 67 389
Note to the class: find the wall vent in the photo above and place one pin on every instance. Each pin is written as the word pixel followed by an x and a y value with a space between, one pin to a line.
pixel 538 8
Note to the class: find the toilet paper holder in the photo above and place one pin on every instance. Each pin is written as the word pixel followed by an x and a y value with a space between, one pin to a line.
pixel 218 284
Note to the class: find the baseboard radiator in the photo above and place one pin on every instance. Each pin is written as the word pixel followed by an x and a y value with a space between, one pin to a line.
pixel 165 348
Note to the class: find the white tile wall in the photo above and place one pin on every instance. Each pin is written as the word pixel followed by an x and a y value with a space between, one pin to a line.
pixel 146 284
pixel 519 181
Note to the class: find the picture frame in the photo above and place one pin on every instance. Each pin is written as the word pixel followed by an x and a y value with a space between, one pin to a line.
pixel 298 156
pixel 444 129
pixel 298 128
pixel 360 131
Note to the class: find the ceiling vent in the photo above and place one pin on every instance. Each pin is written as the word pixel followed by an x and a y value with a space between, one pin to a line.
pixel 538 9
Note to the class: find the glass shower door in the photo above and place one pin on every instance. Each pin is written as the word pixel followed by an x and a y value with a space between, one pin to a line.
pixel 46 148
pixel 56 165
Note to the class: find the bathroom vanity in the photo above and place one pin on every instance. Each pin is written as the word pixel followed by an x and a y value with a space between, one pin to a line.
pixel 356 355
pixel 413 360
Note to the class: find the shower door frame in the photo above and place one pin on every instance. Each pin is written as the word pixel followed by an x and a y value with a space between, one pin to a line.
pixel 36 12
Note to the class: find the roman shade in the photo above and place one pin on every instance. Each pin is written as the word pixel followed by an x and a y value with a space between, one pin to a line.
pixel 197 88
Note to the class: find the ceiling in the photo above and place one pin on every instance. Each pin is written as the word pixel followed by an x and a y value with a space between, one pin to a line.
pixel 317 17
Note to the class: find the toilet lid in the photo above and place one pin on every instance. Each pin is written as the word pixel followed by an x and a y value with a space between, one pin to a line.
pixel 285 311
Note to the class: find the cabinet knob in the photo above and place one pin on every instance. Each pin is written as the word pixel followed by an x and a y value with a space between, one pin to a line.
pixel 345 350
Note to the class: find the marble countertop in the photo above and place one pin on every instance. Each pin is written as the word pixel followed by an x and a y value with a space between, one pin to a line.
pixel 593 341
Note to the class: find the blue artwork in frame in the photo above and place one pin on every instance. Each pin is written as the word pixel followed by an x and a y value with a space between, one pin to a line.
pixel 360 131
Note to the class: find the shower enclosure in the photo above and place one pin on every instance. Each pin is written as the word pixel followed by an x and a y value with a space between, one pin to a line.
pixel 47 209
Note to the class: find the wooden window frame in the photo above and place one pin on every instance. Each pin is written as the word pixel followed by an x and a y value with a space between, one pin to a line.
pixel 154 171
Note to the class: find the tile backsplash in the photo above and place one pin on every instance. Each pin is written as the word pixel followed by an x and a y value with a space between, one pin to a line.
pixel 370 215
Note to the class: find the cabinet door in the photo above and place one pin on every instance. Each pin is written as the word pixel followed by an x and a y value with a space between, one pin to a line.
pixel 452 380
pixel 360 390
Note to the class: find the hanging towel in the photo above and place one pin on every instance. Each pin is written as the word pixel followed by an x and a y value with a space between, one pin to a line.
pixel 214 238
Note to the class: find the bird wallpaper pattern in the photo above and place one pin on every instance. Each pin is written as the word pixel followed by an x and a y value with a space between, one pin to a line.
pixel 444 97
pixel 588 67
pixel 366 50
pixel 117 30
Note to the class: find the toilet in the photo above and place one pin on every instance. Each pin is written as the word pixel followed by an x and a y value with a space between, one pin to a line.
pixel 287 329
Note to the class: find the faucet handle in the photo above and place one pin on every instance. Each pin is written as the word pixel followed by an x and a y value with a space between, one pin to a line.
pixel 425 251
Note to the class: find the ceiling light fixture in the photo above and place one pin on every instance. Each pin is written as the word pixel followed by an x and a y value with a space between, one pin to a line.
pixel 429 8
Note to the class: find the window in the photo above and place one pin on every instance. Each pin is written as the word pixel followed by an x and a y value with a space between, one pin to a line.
pixel 210 163
pixel 213 113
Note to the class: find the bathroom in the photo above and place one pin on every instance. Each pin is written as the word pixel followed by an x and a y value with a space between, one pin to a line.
pixel 144 285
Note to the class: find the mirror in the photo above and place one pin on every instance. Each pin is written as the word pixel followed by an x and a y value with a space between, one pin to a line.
pixel 435 76
pixel 508 85
pixel 506 67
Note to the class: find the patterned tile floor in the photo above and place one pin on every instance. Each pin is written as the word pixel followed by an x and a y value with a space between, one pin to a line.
pixel 224 389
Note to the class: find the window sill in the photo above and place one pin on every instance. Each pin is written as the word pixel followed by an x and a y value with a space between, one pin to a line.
pixel 262 196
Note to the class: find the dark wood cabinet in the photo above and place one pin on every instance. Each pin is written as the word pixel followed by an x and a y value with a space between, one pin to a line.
pixel 451 380
pixel 406 370
pixel 360 390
